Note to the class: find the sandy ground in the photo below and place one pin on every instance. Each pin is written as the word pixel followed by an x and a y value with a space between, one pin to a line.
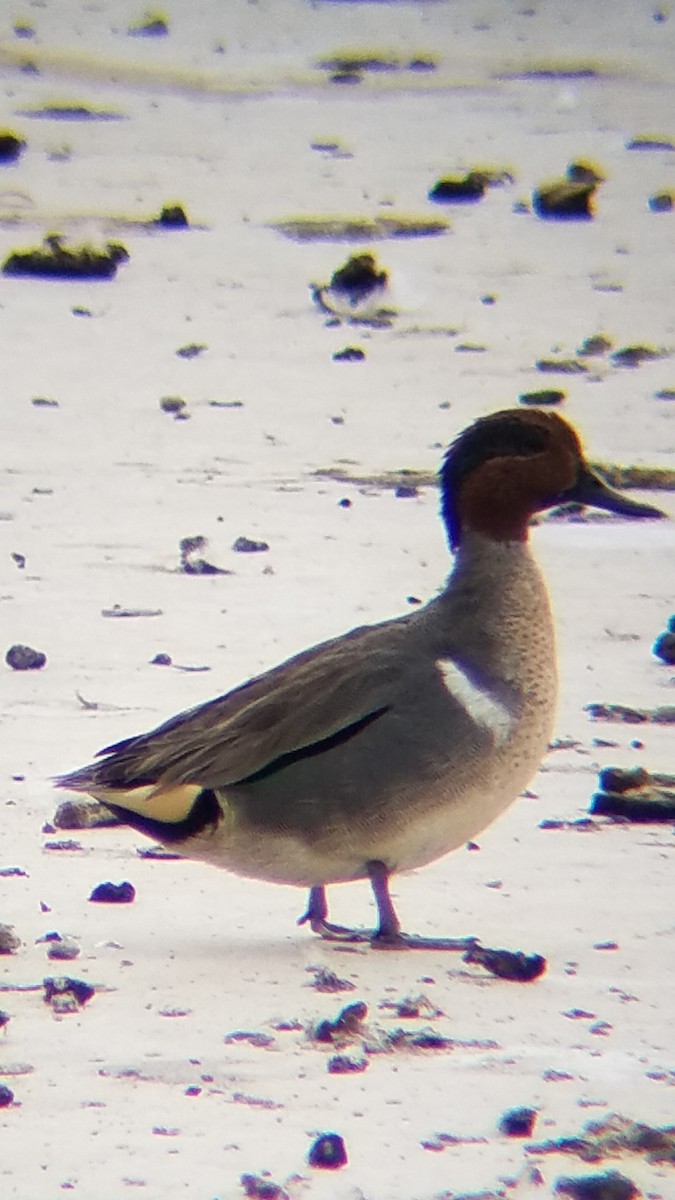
pixel 141 1092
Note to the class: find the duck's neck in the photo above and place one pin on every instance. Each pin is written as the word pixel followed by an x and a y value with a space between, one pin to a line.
pixel 494 615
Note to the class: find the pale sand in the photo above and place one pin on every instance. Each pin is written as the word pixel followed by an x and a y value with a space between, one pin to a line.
pixel 101 1109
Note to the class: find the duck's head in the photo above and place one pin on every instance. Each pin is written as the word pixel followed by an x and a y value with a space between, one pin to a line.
pixel 511 464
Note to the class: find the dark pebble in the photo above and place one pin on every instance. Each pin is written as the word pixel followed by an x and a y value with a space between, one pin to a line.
pixel 173 216
pixel 595 345
pixel 6 1096
pixel 661 202
pixel 633 356
pixel 345 502
pixel 342 1064
pixel 406 491
pixel 191 350
pixel 245 545
pixel 113 893
pixel 24 658
pixel 507 964
pixel 610 1185
pixel 161 660
pixel 664 647
pixel 328 1152
pixel 518 1122
pixel 547 396
pixel 349 354
pixel 260 1188
pixel 561 366
pixel 11 146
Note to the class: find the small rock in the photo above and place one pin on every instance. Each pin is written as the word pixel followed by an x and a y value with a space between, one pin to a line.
pixel 65 949
pixel 561 366
pixel 609 1185
pixel 633 356
pixel 11 146
pixel 545 397
pixel 161 660
pixel 44 402
pixel 113 893
pixel 154 24
pixel 343 1064
pixel 661 202
pixel 595 345
pixel 348 1022
pixel 173 216
pixel 6 1096
pixel 349 354
pixel 345 502
pixel 25 658
pixel 62 991
pixel 9 939
pixel 518 1122
pixel 191 350
pixel 260 1188
pixel 172 404
pixel 327 1152
pixel 664 646
pixel 4 1019
pixel 634 795
pixel 507 964
pixel 406 491
pixel 245 545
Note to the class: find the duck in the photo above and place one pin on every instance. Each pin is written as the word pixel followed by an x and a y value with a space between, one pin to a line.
pixel 384 749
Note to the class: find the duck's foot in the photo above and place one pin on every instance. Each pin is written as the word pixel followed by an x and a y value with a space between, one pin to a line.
pixel 388 935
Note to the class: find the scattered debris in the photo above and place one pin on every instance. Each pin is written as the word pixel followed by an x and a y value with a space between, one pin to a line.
pixel 664 715
pixel 347 1024
pixel 612 1136
pixel 560 366
pixel 66 995
pixel 262 1040
pixel 259 1187
pixel 609 1185
pixel 634 795
pixel 25 658
pixel 326 980
pixel 118 610
pixel 53 260
pixel 113 893
pixel 328 1152
pixel 246 545
pixel 650 141
pixel 440 1141
pixel 359 229
pixel 153 24
pixel 507 964
pixel 9 939
pixel 633 356
pixel 190 561
pixel 594 346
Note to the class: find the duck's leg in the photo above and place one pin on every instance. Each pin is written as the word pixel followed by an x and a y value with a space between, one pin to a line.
pixel 316 916
pixel 388 935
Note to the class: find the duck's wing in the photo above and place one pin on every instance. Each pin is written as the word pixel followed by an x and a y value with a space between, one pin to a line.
pixel 315 697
